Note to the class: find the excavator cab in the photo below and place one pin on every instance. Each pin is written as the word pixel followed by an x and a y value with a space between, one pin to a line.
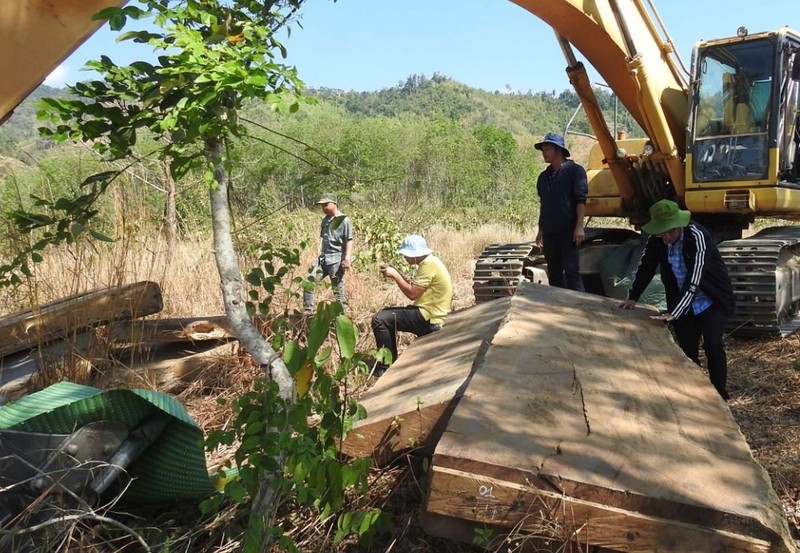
pixel 742 145
pixel 733 92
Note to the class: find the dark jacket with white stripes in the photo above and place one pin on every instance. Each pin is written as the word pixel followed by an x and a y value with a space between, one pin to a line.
pixel 705 270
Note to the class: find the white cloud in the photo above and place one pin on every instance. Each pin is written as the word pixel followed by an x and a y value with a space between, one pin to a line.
pixel 58 77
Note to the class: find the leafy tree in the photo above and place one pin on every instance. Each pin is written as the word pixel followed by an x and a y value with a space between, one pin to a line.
pixel 500 152
pixel 213 54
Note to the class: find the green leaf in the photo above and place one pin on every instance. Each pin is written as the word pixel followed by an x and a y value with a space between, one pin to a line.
pixel 77 229
pixel 117 21
pixel 337 221
pixel 100 177
pixel 347 336
pixel 323 355
pixel 317 332
pixel 294 356
pixel 255 277
pixel 298 418
pixel 236 491
pixel 100 236
pixel 250 443
pixel 344 526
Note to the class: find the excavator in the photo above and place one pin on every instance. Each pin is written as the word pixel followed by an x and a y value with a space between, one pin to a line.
pixel 722 140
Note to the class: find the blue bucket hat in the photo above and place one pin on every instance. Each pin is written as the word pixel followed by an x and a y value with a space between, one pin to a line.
pixel 414 245
pixel 555 140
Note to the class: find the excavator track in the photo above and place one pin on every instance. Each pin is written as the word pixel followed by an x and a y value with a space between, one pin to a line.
pixel 500 268
pixel 765 272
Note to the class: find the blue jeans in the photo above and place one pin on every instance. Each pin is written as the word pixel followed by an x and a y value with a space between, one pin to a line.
pixel 317 273
pixel 387 322
pixel 563 264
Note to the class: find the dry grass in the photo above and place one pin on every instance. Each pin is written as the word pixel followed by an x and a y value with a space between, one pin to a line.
pixel 764 376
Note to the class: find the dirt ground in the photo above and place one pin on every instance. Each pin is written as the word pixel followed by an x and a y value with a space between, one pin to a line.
pixel 764 379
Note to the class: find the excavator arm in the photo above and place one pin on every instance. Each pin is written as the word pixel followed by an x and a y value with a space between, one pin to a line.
pixel 620 40
pixel 37 36
pixel 623 43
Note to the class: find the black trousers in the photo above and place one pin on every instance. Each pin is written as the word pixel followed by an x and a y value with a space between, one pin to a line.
pixel 561 255
pixel 386 323
pixel 710 325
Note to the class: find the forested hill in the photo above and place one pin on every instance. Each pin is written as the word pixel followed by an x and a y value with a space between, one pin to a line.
pixel 428 141
pixel 527 116
pixel 522 114
pixel 21 128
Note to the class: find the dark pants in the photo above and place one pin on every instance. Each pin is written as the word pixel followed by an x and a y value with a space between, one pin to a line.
pixel 386 323
pixel 561 255
pixel 318 272
pixel 710 324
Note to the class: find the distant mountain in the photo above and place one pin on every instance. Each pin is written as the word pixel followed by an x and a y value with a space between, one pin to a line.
pixel 526 116
pixel 529 114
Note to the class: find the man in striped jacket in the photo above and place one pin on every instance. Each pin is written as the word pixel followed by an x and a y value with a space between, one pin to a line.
pixel 696 282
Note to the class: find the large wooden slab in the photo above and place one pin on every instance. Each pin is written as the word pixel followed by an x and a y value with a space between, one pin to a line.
pixel 587 422
pixel 411 402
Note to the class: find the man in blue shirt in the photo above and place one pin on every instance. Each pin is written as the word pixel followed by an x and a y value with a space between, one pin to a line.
pixel 696 282
pixel 562 190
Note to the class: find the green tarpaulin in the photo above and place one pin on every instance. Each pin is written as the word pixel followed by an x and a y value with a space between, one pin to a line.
pixel 172 468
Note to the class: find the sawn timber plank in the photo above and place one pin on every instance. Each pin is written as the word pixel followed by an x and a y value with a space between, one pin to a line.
pixel 588 420
pixel 45 323
pixel 408 406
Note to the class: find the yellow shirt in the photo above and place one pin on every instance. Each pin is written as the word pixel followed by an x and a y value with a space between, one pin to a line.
pixel 435 301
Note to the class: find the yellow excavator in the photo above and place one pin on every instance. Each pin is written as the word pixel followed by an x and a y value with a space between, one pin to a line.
pixel 722 140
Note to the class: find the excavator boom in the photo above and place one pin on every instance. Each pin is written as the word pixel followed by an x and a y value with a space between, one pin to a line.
pixel 605 33
pixel 37 36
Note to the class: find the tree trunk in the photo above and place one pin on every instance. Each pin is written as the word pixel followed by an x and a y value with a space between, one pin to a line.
pixel 265 503
pixel 170 212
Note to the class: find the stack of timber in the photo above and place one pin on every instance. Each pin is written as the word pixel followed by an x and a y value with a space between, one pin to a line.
pixel 579 423
pixel 102 331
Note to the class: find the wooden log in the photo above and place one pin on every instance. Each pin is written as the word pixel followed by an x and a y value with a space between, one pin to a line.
pixel 17 369
pixel 171 367
pixel 589 419
pixel 164 331
pixel 188 329
pixel 172 351
pixel 411 402
pixel 46 323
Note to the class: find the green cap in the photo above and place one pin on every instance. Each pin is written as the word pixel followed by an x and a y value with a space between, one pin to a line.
pixel 666 215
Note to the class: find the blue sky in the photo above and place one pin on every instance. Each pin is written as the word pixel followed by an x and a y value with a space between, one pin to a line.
pixel 488 44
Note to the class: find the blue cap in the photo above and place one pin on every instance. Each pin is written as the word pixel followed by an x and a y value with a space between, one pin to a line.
pixel 414 245
pixel 554 139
